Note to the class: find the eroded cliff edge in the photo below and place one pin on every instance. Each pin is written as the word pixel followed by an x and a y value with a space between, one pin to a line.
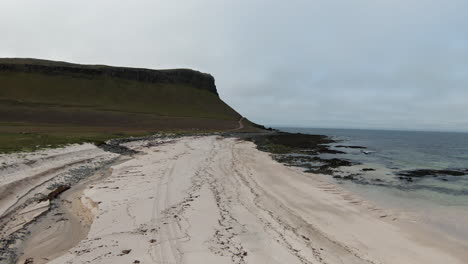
pixel 190 77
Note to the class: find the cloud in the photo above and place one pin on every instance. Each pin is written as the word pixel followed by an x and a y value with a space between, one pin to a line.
pixel 361 63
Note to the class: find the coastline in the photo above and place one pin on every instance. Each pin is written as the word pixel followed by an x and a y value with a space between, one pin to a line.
pixel 421 175
pixel 210 199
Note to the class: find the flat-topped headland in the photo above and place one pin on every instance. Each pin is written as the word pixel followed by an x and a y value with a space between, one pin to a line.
pixel 50 103
pixel 188 77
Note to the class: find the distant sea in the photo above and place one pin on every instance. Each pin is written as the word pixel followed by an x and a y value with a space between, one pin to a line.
pixel 441 201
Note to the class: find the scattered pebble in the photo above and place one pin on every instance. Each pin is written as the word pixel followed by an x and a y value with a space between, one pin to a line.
pixel 125 252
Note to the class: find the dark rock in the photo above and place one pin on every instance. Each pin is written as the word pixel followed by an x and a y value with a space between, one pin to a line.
pixel 115 147
pixel 125 252
pixel 352 147
pixel 330 151
pixel 282 142
pixel 55 193
pixel 435 173
pixel 193 78
pixel 301 150
pixel 337 162
pixel 408 179
pixel 368 169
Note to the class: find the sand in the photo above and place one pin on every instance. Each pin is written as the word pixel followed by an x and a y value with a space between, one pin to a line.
pixel 211 199
pixel 23 176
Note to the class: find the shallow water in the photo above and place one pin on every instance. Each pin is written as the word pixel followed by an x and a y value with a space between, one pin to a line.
pixel 440 201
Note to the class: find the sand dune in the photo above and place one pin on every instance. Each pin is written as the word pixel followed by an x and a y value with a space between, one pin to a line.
pixel 219 200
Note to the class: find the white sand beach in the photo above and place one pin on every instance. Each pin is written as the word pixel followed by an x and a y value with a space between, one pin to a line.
pixel 211 199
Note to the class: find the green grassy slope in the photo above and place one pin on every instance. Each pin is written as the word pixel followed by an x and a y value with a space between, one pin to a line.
pixel 112 94
pixel 49 103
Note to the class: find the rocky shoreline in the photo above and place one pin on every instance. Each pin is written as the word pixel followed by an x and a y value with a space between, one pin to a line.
pixel 303 150
pixel 308 151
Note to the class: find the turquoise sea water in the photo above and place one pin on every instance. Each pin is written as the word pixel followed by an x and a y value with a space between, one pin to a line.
pixel 441 201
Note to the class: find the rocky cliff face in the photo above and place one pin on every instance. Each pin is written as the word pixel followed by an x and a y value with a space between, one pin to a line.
pixel 190 77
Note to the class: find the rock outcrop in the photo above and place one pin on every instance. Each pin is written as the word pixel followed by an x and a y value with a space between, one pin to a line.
pixel 190 77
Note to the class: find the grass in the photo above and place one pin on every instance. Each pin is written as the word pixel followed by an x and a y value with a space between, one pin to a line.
pixel 111 94
pixel 14 142
pixel 33 141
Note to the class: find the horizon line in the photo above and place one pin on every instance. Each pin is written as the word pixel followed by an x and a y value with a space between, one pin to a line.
pixel 374 129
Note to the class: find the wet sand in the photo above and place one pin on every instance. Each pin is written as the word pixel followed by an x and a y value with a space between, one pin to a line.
pixel 25 210
pixel 65 225
pixel 219 200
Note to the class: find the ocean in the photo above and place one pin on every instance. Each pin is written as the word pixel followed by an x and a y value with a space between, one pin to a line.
pixel 441 201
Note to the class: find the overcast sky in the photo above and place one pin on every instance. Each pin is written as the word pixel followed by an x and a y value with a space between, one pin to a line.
pixel 393 64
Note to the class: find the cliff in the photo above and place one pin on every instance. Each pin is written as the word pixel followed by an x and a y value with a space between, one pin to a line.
pixel 190 77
